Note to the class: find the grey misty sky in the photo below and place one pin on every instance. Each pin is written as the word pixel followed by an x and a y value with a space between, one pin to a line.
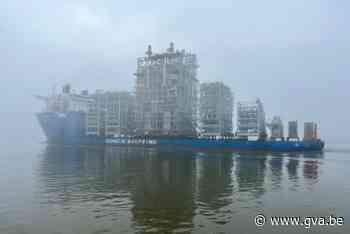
pixel 294 55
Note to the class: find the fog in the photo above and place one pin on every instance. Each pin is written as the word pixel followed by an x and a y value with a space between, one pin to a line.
pixel 294 55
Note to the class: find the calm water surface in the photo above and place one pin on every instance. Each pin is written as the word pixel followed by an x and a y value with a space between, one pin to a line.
pixel 52 189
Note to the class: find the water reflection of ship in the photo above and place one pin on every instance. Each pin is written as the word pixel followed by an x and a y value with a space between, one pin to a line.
pixel 293 165
pixel 68 171
pixel 276 168
pixel 214 178
pixel 164 189
pixel 215 186
pixel 250 173
pixel 311 167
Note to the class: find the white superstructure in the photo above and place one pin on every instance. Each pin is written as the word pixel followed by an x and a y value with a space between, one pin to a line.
pixel 67 101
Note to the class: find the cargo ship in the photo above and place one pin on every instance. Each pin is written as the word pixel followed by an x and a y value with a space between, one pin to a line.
pixel 166 109
pixel 64 121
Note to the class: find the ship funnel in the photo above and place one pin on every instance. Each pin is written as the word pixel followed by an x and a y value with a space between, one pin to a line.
pixel 66 89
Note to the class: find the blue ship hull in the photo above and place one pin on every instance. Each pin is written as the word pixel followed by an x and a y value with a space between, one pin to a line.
pixel 69 128
pixel 227 144
pixel 62 128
